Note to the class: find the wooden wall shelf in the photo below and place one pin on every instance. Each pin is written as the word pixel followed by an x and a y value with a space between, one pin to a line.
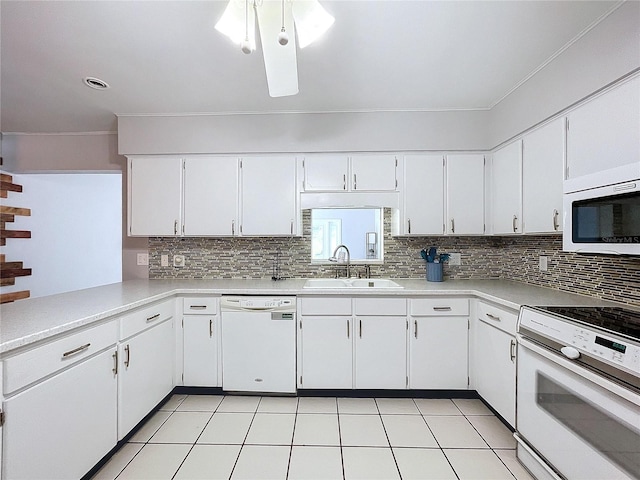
pixel 9 271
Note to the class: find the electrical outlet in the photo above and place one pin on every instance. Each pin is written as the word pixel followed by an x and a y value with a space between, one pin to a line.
pixel 164 260
pixel 178 260
pixel 543 263
pixel 455 259
pixel 143 259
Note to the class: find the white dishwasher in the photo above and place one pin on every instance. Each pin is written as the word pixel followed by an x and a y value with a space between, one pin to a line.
pixel 258 344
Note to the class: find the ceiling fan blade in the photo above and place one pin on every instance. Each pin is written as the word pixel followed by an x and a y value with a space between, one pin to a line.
pixel 280 61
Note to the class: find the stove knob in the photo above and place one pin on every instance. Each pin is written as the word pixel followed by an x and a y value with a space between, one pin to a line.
pixel 570 352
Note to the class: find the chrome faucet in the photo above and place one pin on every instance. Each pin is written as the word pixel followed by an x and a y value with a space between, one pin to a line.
pixel 333 258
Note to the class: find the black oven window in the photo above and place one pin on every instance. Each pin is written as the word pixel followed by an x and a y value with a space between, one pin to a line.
pixel 614 219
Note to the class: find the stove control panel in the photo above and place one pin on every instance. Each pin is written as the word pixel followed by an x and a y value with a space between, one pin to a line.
pixel 619 352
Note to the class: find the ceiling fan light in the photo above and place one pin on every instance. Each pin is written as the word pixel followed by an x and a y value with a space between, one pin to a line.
pixel 233 24
pixel 311 20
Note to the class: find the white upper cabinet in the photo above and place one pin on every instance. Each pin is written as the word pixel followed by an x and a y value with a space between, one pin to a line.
pixel 155 195
pixel 327 173
pixel 357 173
pixel 210 196
pixel 268 196
pixel 506 189
pixel 604 134
pixel 542 175
pixel 423 198
pixel 465 194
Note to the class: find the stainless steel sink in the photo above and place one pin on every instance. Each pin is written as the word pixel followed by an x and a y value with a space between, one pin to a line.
pixel 363 283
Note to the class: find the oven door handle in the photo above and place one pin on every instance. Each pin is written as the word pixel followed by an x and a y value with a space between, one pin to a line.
pixel 578 369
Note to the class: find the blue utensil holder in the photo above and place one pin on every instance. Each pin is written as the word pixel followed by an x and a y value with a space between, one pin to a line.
pixel 434 272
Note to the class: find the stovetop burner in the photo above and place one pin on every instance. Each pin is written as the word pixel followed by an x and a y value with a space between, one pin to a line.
pixel 610 319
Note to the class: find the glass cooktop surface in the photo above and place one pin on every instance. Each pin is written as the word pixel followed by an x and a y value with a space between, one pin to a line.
pixel 610 319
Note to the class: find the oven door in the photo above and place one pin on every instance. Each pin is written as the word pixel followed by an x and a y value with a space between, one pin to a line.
pixel 583 425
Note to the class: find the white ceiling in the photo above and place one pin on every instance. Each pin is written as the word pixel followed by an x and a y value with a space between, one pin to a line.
pixel 164 57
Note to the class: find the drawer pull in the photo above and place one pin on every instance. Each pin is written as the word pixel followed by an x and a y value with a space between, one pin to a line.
pixel 197 307
pixel 493 317
pixel 153 318
pixel 75 350
pixel 128 359
pixel 442 309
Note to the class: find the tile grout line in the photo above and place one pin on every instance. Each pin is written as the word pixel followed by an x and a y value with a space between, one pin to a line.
pixel 293 434
pixel 395 460
pixel 235 464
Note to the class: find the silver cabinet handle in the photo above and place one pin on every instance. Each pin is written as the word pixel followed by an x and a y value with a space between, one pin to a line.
pixel 348 333
pixel 344 181
pixel 115 362
pixel 493 317
pixel 291 227
pixel 453 226
pixel 175 227
pixel 355 182
pixel 128 358
pixel 555 220
pixel 153 318
pixel 360 328
pixel 515 227
pixel 512 350
pixel 233 227
pixel 442 309
pixel 76 350
pixel 210 328
pixel 409 224
pixel 415 328
pixel 197 307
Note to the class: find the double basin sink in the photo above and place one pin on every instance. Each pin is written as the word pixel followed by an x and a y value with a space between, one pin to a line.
pixel 351 283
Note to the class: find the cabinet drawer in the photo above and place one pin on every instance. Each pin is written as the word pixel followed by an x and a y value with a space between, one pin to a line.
pixel 325 306
pixel 501 318
pixel 145 317
pixel 440 307
pixel 380 306
pixel 200 305
pixel 39 362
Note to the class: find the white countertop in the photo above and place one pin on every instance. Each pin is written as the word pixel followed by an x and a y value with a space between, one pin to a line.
pixel 28 321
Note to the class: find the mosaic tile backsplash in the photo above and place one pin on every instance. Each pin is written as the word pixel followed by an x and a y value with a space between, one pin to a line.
pixel 510 258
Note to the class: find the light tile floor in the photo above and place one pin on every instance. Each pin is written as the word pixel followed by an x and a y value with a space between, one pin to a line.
pixel 251 437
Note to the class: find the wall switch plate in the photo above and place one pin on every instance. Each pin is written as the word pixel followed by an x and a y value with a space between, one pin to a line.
pixel 543 263
pixel 164 260
pixel 455 259
pixel 142 259
pixel 178 260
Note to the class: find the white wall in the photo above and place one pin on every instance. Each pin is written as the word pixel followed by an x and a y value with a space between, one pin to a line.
pixel 76 232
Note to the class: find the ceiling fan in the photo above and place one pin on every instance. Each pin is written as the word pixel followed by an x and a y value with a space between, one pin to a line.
pixel 276 20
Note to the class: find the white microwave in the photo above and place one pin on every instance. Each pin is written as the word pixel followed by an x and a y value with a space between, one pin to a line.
pixel 603 220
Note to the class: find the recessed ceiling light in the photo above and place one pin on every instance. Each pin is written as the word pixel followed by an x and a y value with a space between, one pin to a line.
pixel 95 83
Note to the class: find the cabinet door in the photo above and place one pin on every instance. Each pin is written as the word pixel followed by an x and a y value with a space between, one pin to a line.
pixel 326 173
pixel 438 353
pixel 542 176
pixel 268 196
pixel 210 196
pixel 381 352
pixel 200 349
pixel 60 428
pixel 146 366
pixel 155 196
pixel 506 189
pixel 423 195
pixel 496 370
pixel 373 173
pixel 326 352
pixel 465 194
pixel 604 133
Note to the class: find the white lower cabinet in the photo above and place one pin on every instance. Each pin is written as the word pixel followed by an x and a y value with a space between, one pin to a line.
pixel 326 352
pixel 381 352
pixel 495 362
pixel 61 427
pixel 145 375
pixel 438 343
pixel 201 337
